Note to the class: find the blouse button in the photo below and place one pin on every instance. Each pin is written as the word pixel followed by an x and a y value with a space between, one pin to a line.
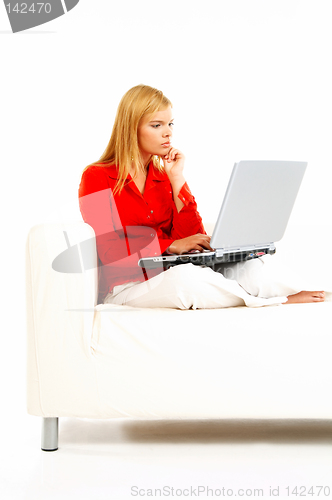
pixel 152 211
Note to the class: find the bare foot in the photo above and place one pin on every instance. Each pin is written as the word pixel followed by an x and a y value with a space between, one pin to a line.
pixel 303 297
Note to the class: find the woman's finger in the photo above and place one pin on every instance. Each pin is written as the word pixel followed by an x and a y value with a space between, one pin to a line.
pixel 205 240
pixel 173 153
pixel 206 244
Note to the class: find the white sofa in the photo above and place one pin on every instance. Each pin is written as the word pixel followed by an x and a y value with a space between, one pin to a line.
pixel 104 361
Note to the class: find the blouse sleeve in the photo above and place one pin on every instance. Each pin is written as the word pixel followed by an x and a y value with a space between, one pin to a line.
pixel 187 221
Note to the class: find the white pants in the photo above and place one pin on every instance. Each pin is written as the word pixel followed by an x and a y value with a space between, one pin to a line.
pixel 253 283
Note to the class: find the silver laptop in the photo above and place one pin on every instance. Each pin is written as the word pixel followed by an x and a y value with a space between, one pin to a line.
pixel 254 214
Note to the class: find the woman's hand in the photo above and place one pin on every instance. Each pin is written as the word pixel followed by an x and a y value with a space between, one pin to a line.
pixel 174 164
pixel 196 242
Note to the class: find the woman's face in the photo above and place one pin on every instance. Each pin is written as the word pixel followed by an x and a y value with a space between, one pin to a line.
pixel 155 133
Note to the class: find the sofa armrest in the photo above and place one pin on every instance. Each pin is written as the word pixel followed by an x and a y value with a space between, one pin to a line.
pixel 60 305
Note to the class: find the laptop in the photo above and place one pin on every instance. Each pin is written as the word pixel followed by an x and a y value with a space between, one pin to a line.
pixel 254 214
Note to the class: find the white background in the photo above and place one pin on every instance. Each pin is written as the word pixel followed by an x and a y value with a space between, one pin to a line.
pixel 249 79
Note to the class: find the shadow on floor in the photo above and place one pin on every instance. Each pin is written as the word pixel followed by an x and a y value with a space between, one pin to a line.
pixel 195 431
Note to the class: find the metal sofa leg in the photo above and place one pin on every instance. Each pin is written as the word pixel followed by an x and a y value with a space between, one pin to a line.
pixel 49 437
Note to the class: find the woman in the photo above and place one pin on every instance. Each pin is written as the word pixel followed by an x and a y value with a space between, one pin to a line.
pixel 139 204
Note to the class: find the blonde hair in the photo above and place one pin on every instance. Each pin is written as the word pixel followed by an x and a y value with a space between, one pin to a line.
pixel 122 149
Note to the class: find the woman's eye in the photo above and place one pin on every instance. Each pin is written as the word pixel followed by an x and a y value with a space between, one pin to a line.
pixel 157 125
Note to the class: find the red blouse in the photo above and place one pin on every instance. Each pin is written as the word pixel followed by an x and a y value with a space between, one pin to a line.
pixel 129 225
